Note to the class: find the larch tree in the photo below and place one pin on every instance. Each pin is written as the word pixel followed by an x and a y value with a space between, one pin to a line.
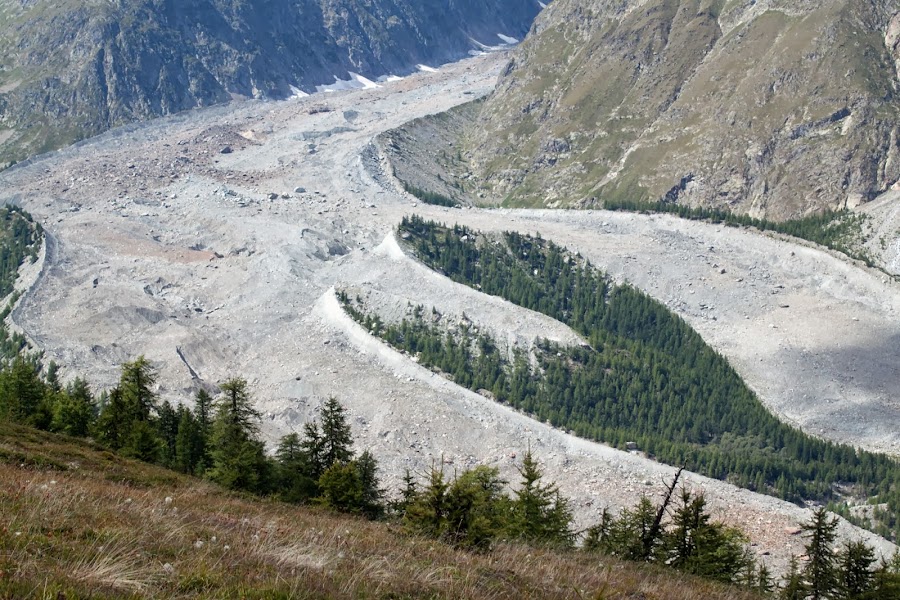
pixel 238 456
pixel 136 385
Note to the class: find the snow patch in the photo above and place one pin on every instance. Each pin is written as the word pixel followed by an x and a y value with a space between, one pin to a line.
pixel 389 78
pixel 542 4
pixel 356 82
pixel 367 84
pixel 297 92
pixel 426 68
pixel 507 39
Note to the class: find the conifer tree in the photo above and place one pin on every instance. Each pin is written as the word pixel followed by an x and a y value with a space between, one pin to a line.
pixel 820 572
pixel 296 482
pixel 337 441
pixel 630 536
pixel 142 442
pixel 856 578
pixel 427 514
pixel 22 394
pixel 371 494
pixel 238 457
pixel 887 579
pixel 475 507
pixel 698 546
pixel 341 488
pixel 539 513
pixel 313 448
pixel 136 385
pixel 74 410
pixel 112 425
pixel 597 536
pixel 203 411
pixel 763 584
pixel 52 377
pixel 407 494
pixel 167 423
pixel 190 447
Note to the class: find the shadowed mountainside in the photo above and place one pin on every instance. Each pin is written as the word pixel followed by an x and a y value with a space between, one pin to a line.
pixel 71 69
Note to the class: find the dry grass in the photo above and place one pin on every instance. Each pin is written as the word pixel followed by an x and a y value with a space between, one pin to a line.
pixel 114 566
pixel 81 523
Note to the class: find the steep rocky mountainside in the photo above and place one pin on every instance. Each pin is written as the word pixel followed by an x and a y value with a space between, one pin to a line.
pixel 771 107
pixel 73 68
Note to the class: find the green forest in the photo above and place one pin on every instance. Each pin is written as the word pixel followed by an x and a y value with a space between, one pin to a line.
pixel 645 376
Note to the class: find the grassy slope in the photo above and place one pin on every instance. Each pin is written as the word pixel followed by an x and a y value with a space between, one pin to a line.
pixel 79 522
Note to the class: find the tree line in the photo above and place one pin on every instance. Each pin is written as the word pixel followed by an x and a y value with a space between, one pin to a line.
pixel 645 376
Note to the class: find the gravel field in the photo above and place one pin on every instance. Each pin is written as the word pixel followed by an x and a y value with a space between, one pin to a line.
pixel 213 241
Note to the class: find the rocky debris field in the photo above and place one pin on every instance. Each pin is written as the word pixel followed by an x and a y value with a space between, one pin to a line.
pixel 213 243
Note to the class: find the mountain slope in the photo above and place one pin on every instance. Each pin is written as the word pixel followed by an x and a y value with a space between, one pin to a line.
pixel 771 107
pixel 74 68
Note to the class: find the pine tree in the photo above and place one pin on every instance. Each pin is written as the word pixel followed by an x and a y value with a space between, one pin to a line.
pixel 408 494
pixel 313 449
pixel 630 535
pixel 167 428
pixel 190 447
pixel 112 425
pixel 476 509
pixel 820 572
pixel 295 474
pixel 135 384
pixel 855 573
pixel 887 579
pixel 763 584
pixel 142 442
pixel 52 377
pixel 203 411
pixel 596 537
pixel 698 546
pixel 337 441
pixel 238 457
pixel 290 453
pixel 539 513
pixel 341 489
pixel 371 492
pixel 74 410
pixel 22 394
pixel 427 514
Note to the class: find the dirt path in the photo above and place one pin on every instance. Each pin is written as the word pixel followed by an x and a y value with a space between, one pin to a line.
pixel 212 265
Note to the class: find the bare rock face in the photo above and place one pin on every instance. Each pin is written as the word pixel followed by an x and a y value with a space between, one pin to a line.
pixel 773 107
pixel 71 69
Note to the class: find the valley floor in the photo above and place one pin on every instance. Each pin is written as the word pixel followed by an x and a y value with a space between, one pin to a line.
pixel 212 242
